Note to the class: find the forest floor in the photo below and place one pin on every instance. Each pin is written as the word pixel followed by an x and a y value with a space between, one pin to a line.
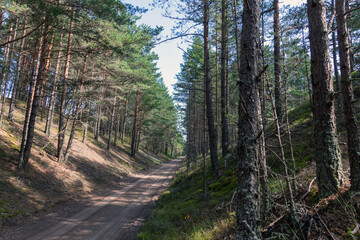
pixel 182 212
pixel 116 212
pixel 48 184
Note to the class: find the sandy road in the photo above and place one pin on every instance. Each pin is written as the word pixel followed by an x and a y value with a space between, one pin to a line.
pixel 116 216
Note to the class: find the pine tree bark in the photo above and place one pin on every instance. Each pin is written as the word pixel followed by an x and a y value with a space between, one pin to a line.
pixel 247 200
pixel 224 120
pixel 352 126
pixel 328 159
pixel 207 79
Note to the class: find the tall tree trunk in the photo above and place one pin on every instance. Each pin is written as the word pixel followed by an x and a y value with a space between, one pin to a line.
pixel 22 163
pixel 5 58
pixel 136 112
pixel 62 124
pixel 306 69
pixel 247 211
pixel 86 125
pixel 337 79
pixel 7 73
pixel 50 117
pixel 117 130
pixel 124 120
pixel 224 121
pixel 77 109
pixel 263 178
pixel 44 63
pixel 207 79
pixel 352 126
pixel 328 164
pixel 98 123
pixel 277 62
pixel 204 150
pixel 20 63
pixel 111 124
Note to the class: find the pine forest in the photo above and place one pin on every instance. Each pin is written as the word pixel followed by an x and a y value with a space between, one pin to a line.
pixel 257 139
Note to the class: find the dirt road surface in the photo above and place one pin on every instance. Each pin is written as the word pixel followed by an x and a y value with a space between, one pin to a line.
pixel 118 215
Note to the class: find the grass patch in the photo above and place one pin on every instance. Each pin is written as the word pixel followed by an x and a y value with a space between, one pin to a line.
pixel 182 213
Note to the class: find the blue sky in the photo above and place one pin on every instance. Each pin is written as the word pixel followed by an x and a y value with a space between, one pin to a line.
pixel 170 56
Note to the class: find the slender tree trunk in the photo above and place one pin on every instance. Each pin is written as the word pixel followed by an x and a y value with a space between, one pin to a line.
pixel 136 112
pixel 247 202
pixel 205 150
pixel 62 124
pixel 216 64
pixel 288 181
pixel 328 165
pixel 86 125
pixel 124 120
pixel 43 65
pixel 22 160
pixel 263 178
pixel 352 126
pixel 277 62
pixel 77 109
pixel 18 74
pixel 337 79
pixel 5 58
pixel 209 108
pixel 7 73
pixel 49 120
pixel 293 163
pixel 117 130
pixel 224 121
pixel 98 123
pixel 306 69
pixel 111 124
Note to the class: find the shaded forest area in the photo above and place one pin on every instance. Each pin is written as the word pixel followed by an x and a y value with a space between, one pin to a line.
pixel 269 96
pixel 82 102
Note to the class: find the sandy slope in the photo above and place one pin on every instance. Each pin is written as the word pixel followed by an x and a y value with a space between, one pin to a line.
pixel 115 214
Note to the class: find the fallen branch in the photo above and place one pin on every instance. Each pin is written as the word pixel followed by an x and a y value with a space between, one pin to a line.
pixel 309 189
pixel 326 227
pixel 271 225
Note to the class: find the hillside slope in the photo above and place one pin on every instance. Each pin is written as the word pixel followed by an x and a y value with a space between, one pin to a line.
pixel 183 213
pixel 48 182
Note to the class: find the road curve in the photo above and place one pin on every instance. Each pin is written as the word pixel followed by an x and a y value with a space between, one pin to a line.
pixel 117 216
